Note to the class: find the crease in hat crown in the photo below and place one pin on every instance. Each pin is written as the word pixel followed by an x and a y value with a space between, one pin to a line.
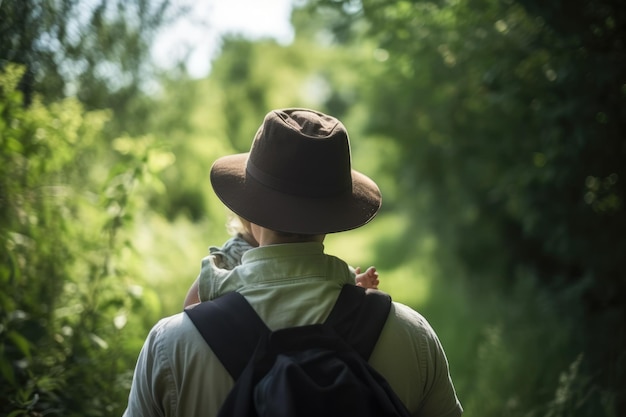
pixel 297 176
pixel 326 124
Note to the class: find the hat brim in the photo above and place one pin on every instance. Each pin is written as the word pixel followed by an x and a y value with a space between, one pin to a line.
pixel 289 213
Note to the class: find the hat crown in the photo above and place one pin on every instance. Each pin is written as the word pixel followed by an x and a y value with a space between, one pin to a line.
pixel 301 152
pixel 297 177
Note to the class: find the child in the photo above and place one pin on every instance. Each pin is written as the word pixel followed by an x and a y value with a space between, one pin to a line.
pixel 213 278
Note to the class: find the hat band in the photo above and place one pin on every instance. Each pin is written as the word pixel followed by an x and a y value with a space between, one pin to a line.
pixel 298 187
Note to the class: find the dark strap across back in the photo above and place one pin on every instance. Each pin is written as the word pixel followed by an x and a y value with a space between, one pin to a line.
pixel 232 328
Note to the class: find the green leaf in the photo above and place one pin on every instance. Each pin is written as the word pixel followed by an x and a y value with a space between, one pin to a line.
pixel 20 342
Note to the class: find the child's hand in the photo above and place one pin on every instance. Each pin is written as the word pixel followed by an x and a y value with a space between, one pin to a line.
pixel 367 279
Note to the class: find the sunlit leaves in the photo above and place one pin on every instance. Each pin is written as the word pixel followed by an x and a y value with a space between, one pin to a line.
pixel 508 117
pixel 62 298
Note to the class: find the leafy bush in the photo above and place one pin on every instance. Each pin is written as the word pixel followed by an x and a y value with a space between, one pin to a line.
pixel 64 292
pixel 509 119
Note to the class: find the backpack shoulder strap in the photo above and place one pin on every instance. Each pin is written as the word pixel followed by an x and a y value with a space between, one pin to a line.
pixel 231 328
pixel 359 316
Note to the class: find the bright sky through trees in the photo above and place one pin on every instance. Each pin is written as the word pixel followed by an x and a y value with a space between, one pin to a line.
pixel 196 37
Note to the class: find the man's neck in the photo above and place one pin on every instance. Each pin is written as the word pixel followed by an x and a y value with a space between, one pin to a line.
pixel 271 237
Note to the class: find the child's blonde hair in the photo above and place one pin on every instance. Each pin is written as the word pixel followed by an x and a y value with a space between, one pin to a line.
pixel 237 225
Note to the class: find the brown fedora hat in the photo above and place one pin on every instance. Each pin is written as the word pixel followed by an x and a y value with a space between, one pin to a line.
pixel 297 177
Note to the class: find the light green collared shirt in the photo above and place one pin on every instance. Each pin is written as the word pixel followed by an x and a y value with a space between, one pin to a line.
pixel 177 374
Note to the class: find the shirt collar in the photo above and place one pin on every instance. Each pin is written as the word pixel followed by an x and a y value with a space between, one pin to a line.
pixel 283 250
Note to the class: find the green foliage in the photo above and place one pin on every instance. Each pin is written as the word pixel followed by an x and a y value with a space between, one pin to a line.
pixel 505 122
pixel 494 128
pixel 64 291
pixel 95 51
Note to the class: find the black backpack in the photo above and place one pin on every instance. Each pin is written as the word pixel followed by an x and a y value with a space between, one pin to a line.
pixel 314 370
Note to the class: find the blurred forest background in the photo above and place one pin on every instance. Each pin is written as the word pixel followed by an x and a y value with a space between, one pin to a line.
pixel 495 128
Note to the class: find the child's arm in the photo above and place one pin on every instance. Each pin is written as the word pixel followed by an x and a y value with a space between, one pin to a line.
pixel 192 295
pixel 367 279
pixel 211 283
pixel 215 268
